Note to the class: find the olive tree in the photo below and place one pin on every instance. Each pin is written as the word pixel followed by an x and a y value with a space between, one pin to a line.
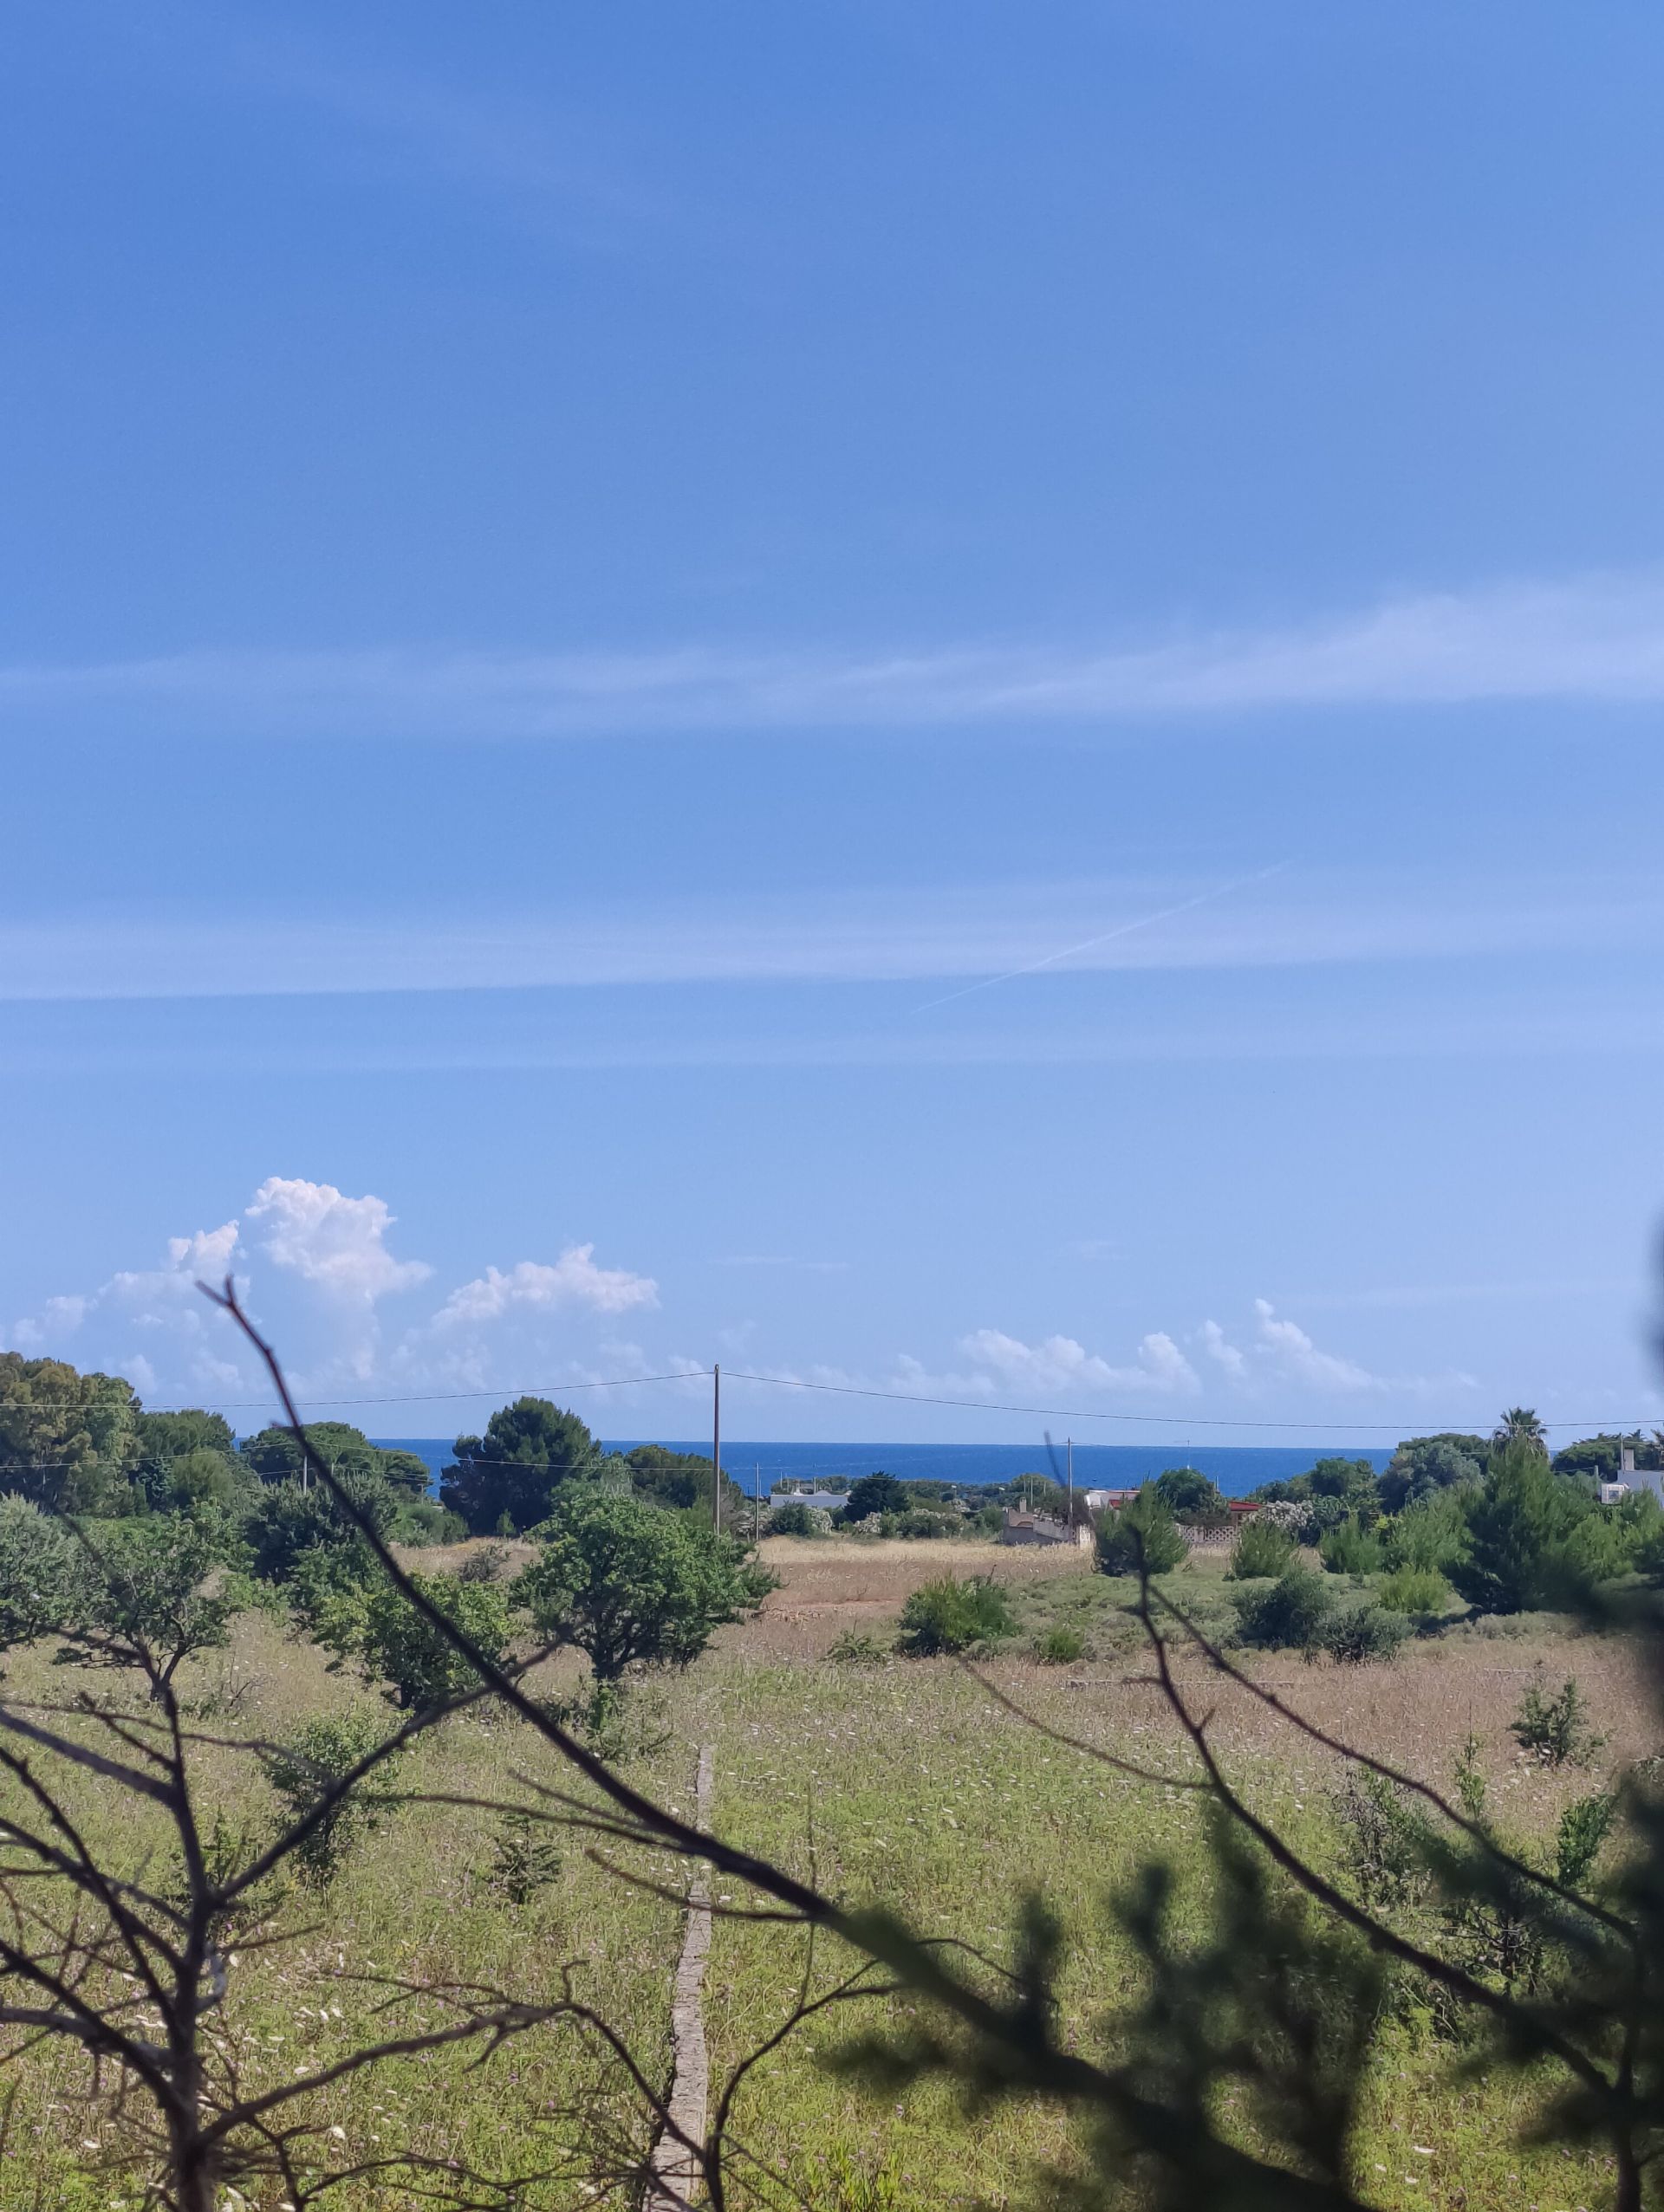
pixel 631 1586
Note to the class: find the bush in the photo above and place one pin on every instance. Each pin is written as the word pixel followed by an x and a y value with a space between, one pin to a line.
pixel 1351 1549
pixel 1359 1634
pixel 1555 1729
pixel 918 1521
pixel 798 1521
pixel 402 1649
pixel 1142 1536
pixel 1415 1590
pixel 304 1769
pixel 947 1615
pixel 421 1522
pixel 854 1648
pixel 1060 1647
pixel 1288 1616
pixel 486 1565
pixel 1262 1548
pixel 1284 1513
pixel 523 1859
pixel 1431 1533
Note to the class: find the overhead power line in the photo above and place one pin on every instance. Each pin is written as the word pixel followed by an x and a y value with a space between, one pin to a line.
pixel 1165 1420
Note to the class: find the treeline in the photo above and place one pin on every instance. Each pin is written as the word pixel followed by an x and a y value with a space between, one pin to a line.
pixel 84 1444
pixel 151 1530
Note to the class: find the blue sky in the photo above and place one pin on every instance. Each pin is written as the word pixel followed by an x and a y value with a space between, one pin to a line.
pixel 940 698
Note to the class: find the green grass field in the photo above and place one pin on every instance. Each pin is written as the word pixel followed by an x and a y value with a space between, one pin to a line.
pixel 906 1782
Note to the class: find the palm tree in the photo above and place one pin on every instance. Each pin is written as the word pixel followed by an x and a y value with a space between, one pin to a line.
pixel 1520 1426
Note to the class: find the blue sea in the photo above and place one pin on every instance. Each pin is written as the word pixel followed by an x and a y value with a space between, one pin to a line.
pixel 1236 1469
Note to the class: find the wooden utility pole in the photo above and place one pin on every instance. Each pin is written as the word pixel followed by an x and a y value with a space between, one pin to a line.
pixel 1068 1449
pixel 716 1443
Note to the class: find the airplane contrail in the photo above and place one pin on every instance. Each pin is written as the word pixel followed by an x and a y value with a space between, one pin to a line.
pixel 1089 945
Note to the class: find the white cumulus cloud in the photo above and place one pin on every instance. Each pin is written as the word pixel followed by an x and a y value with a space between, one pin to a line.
pixel 573 1281
pixel 1059 1362
pixel 1293 1352
pixel 1220 1348
pixel 328 1238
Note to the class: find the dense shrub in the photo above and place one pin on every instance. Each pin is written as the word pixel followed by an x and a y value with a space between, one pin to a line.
pixel 402 1649
pixel 1555 1729
pixel 1143 1536
pixel 1354 1634
pixel 798 1521
pixel 308 1764
pixel 920 1522
pixel 854 1647
pixel 1289 1513
pixel 1060 1646
pixel 422 1522
pixel 1262 1548
pixel 1289 1615
pixel 948 1615
pixel 1417 1592
pixel 1350 1548
pixel 1430 1534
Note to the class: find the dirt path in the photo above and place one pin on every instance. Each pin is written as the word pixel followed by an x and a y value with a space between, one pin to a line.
pixel 675 2169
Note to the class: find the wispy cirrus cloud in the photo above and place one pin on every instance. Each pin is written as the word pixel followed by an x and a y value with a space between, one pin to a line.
pixel 971 935
pixel 1592 638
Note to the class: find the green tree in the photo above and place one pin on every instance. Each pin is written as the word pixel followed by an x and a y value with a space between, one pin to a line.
pixel 513 1474
pixel 289 1522
pixel 151 1593
pixel 1142 1536
pixel 67 1440
pixel 1598 1458
pixel 683 1479
pixel 633 1586
pixel 37 1566
pixel 401 1648
pixel 1187 1489
pixel 1520 1426
pixel 275 1457
pixel 1533 1539
pixel 876 1494
pixel 164 1442
pixel 1423 1464
pixel 1354 1482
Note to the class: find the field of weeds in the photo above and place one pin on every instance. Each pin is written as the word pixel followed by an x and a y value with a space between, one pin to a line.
pixel 902 1782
